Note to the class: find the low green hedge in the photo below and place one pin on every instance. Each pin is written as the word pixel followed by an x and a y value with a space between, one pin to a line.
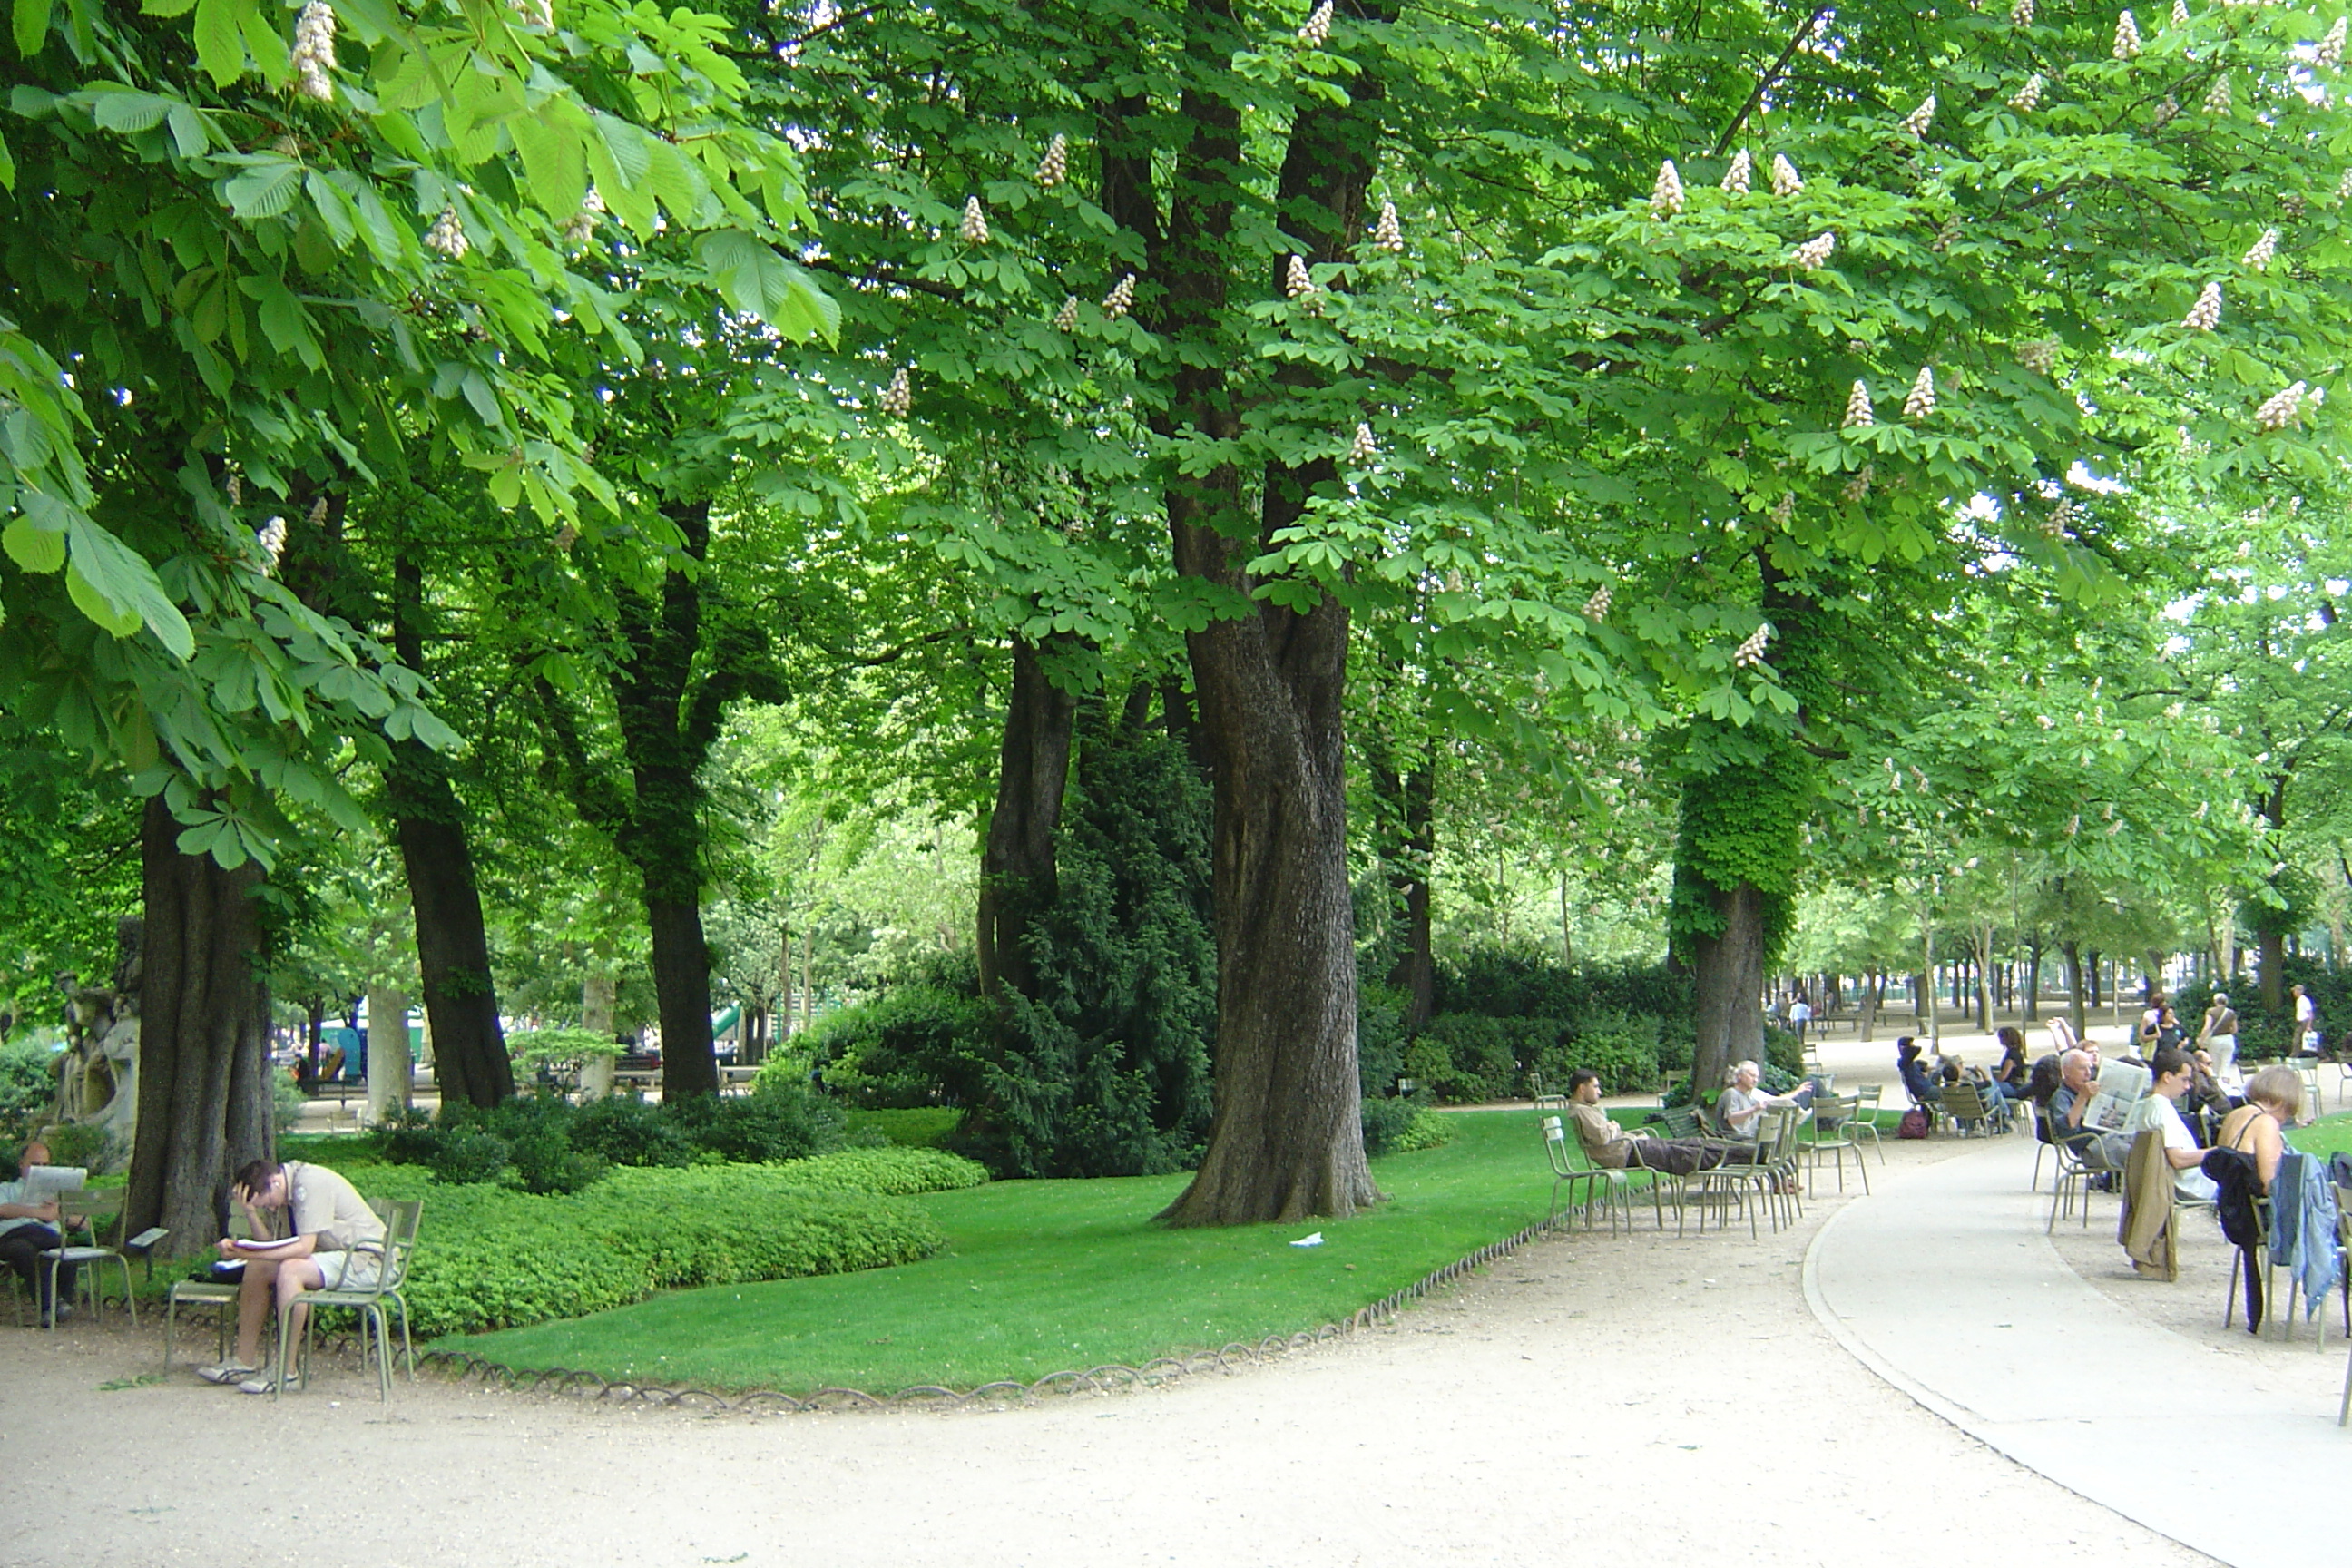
pixel 490 1256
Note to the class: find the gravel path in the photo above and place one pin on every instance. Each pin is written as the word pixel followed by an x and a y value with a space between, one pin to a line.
pixel 1587 1395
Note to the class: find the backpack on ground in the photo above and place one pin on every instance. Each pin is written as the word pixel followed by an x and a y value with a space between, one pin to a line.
pixel 1912 1125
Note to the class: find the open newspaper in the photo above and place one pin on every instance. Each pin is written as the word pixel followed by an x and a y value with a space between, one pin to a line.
pixel 2121 1086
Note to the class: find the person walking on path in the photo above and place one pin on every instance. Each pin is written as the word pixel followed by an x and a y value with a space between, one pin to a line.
pixel 2306 1024
pixel 1801 1012
pixel 2219 1035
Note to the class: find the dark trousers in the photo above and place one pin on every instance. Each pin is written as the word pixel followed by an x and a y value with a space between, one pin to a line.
pixel 20 1250
pixel 1682 1156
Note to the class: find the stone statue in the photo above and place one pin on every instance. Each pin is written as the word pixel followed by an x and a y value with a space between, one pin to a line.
pixel 97 1075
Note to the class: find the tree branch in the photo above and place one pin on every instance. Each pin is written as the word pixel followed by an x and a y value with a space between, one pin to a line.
pixel 1764 83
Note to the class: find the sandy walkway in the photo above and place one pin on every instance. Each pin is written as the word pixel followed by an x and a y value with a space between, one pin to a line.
pixel 1588 1396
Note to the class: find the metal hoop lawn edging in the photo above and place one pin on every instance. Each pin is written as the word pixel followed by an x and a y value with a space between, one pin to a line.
pixel 1113 1378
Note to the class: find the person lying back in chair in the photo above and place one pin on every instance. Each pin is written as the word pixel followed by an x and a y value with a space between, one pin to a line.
pixel 338 1244
pixel 1613 1148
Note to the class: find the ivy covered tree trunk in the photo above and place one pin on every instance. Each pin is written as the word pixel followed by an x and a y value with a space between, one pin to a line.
pixel 1016 864
pixel 1286 1140
pixel 204 1101
pixel 1745 799
pixel 453 950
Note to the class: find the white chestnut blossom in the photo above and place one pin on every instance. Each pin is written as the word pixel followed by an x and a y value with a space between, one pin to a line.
pixel 1066 318
pixel 1121 298
pixel 314 51
pixel 2279 410
pixel 2217 97
pixel 2259 258
pixel 447 235
pixel 273 542
pixel 2029 97
pixel 2179 12
pixel 1364 447
pixel 1750 653
pixel 1736 178
pixel 1859 486
pixel 1055 166
pixel 1784 509
pixel 1915 123
pixel 2021 14
pixel 1295 280
pixel 1814 252
pixel 1858 406
pixel 898 397
pixel 1921 401
pixel 1388 234
pixel 2040 357
pixel 1667 195
pixel 2206 314
pixel 1319 26
pixel 1596 608
pixel 1785 182
pixel 973 229
pixel 2127 38
pixel 581 227
pixel 2330 53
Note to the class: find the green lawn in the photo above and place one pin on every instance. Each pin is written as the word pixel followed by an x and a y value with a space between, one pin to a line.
pixel 2325 1136
pixel 1038 1276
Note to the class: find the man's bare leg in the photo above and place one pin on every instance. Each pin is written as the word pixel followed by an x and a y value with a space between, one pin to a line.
pixel 254 1300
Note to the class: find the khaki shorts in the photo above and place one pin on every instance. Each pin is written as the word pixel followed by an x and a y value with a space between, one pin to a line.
pixel 349 1270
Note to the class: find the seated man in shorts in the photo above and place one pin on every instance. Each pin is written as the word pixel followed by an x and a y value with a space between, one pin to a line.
pixel 1613 1148
pixel 337 1242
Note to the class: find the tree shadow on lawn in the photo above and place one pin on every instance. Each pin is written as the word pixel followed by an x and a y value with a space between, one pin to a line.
pixel 1050 1275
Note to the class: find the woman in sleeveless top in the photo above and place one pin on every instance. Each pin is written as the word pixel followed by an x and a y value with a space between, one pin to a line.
pixel 2273 1101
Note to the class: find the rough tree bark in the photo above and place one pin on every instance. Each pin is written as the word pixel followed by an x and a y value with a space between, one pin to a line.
pixel 1286 1140
pixel 453 949
pixel 204 1105
pixel 1016 864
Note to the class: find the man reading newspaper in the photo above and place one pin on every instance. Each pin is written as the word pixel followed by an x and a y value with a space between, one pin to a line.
pixel 2089 1115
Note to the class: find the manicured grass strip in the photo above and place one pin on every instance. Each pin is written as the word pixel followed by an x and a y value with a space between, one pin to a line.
pixel 1038 1276
pixel 924 1127
pixel 2326 1136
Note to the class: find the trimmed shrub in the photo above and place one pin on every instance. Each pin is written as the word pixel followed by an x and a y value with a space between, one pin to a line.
pixel 1426 1130
pixel 881 1172
pixel 778 1123
pixel 1465 1057
pixel 490 1256
pixel 924 1127
pixel 912 1047
pixel 629 1129
pixel 1623 1047
pixel 28 1089
pixel 463 1159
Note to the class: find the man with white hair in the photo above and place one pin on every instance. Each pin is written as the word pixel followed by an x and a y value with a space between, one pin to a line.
pixel 2077 1087
pixel 1741 1109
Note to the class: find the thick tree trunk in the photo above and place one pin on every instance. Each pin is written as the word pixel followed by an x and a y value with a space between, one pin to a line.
pixel 1873 991
pixel 389 1063
pixel 1287 1137
pixel 1016 863
pixel 2034 983
pixel 1727 971
pixel 204 1101
pixel 453 949
pixel 2270 962
pixel 681 965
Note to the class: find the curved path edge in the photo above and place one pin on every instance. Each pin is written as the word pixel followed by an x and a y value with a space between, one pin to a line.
pixel 1944 1286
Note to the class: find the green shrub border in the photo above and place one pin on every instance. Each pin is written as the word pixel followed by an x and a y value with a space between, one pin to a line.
pixel 1111 1377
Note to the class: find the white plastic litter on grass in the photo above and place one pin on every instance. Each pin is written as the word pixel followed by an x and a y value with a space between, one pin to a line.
pixel 1315 1240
